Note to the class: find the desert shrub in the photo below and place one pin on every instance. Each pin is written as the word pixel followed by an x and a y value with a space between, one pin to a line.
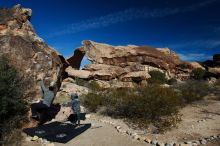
pixel 183 66
pixel 198 74
pixel 217 83
pixel 157 77
pixel 139 105
pixel 80 82
pixel 193 90
pixel 61 99
pixel 94 86
pixel 172 81
pixel 12 108
pixel 93 101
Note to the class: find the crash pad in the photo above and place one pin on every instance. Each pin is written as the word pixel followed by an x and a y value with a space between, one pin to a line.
pixel 57 131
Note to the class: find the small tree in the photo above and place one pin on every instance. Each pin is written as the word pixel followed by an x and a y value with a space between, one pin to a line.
pixel 12 107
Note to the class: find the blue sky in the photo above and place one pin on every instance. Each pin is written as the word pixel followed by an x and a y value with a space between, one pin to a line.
pixel 189 27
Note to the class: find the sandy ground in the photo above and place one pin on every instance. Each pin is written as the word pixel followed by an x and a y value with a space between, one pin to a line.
pixel 101 134
pixel 200 119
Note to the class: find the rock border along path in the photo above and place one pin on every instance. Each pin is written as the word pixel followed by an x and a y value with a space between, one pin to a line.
pixel 155 142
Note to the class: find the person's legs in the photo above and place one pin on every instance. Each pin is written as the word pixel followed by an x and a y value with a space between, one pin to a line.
pixel 35 107
pixel 78 118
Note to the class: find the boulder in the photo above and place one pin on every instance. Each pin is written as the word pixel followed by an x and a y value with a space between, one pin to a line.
pixel 215 71
pixel 135 76
pixel 70 87
pixel 27 52
pixel 123 63
pixel 83 74
pixel 196 65
pixel 76 59
pixel 64 113
pixel 121 55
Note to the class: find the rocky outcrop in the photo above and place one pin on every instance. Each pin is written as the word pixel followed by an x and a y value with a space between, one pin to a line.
pixel 28 52
pixel 122 55
pixel 196 65
pixel 76 59
pixel 123 63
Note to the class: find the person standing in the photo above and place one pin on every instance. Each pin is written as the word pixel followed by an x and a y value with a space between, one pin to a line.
pixel 76 106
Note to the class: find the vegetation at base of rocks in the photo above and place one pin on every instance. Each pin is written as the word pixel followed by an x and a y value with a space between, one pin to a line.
pixel 61 99
pixel 147 104
pixel 14 138
pixel 217 83
pixel 193 90
pixel 198 73
pixel 94 86
pixel 183 66
pixel 157 77
pixel 12 107
pixel 139 105
pixel 172 81
pixel 80 82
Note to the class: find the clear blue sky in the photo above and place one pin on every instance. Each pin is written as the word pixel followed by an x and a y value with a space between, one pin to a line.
pixel 189 27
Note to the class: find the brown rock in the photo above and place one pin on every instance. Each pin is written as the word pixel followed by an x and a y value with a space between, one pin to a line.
pixel 27 52
pixel 76 59
pixel 64 113
pixel 215 71
pixel 196 65
pixel 120 55
pixel 84 74
pixel 124 63
pixel 135 76
pixel 2 27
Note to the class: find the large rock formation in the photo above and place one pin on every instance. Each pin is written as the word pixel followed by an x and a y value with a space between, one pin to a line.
pixel 124 63
pixel 27 52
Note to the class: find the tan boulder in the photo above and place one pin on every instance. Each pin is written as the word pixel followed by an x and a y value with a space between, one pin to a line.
pixel 196 65
pixel 84 74
pixel 132 76
pixel 64 113
pixel 120 55
pixel 27 52
pixel 214 70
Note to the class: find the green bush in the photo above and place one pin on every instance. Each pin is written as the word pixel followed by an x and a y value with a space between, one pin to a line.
pixel 93 101
pixel 172 81
pixel 80 82
pixel 12 108
pixel 94 86
pixel 157 77
pixel 183 66
pixel 193 90
pixel 198 74
pixel 140 105
pixel 217 83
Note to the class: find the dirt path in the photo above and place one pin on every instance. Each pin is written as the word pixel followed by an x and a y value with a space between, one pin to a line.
pixel 201 119
pixel 101 134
